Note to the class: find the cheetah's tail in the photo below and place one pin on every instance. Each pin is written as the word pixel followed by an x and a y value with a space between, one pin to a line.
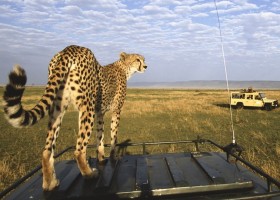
pixel 14 112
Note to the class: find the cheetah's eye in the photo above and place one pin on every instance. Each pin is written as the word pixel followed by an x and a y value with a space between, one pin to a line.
pixel 138 60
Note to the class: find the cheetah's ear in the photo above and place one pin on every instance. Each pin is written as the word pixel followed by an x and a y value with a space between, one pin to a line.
pixel 123 55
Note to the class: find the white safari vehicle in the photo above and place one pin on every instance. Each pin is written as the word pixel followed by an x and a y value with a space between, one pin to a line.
pixel 252 98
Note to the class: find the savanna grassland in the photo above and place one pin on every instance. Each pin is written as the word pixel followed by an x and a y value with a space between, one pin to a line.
pixel 151 115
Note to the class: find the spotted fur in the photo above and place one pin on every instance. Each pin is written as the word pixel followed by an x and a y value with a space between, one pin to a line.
pixel 75 77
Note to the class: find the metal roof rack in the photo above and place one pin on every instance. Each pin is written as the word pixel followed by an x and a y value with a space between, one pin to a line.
pixel 169 175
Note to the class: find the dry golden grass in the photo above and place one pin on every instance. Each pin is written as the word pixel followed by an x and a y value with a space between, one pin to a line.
pixel 7 170
pixel 152 115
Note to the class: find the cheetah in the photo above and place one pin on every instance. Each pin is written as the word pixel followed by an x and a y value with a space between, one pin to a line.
pixel 76 77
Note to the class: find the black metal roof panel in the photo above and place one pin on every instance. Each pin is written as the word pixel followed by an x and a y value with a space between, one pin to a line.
pixel 177 175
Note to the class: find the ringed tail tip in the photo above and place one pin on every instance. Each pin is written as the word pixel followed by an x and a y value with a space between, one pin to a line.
pixel 17 76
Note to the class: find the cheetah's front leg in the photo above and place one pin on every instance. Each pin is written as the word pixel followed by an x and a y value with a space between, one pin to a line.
pixel 100 137
pixel 114 133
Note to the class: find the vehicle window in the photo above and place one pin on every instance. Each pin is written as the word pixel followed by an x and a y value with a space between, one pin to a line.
pixel 250 97
pixel 257 97
pixel 235 96
pixel 262 95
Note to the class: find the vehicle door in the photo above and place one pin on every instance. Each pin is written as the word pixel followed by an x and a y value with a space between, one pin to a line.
pixel 258 102
pixel 249 101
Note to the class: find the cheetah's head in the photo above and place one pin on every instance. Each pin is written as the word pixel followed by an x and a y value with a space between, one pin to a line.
pixel 133 62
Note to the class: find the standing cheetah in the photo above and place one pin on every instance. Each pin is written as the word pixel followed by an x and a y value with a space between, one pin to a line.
pixel 75 77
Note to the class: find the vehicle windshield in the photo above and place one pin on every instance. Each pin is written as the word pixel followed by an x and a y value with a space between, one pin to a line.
pixel 262 95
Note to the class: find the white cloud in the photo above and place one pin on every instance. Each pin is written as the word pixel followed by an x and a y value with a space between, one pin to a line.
pixel 72 10
pixel 200 15
pixel 203 6
pixel 260 31
pixel 226 7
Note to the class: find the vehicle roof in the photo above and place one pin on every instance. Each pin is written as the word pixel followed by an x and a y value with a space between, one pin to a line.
pixel 247 92
pixel 203 175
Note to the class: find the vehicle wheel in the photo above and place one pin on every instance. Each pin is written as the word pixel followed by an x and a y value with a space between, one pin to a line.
pixel 268 107
pixel 239 105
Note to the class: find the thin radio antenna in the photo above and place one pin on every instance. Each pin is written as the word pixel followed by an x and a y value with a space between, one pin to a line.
pixel 226 74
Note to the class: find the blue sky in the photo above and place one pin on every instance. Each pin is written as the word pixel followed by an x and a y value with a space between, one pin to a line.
pixel 179 39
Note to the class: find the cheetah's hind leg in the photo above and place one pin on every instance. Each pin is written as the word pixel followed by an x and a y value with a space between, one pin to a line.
pixel 85 130
pixel 49 177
